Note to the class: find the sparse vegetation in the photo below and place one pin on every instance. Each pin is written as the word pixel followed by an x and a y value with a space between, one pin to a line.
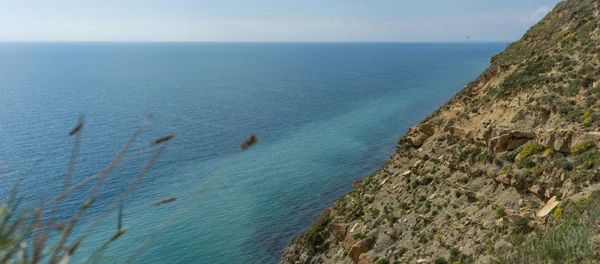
pixel 572 239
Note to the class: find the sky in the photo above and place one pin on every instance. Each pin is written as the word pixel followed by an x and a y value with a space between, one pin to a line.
pixel 270 20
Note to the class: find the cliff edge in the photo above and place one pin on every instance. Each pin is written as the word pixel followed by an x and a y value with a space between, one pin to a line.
pixel 493 168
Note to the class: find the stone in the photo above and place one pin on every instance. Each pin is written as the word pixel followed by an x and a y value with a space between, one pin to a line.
pixel 535 189
pixel 348 241
pixel 549 192
pixel 384 181
pixel 503 178
pixel 500 222
pixel 417 164
pixel 357 184
pixel 417 139
pixel 361 247
pixel 354 227
pixel 498 144
pixel 340 229
pixel 406 173
pixel 428 129
pixel 356 250
pixel 562 141
pixel 417 135
pixel 364 259
pixel 548 207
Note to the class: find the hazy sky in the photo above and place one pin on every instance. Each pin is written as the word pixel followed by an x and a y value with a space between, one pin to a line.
pixel 269 20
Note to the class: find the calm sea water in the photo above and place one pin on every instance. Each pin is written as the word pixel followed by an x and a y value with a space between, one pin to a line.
pixel 326 114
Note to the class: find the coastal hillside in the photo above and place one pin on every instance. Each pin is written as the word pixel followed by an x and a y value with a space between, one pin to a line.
pixel 506 171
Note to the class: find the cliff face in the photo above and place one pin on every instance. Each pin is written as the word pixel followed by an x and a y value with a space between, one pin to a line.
pixel 497 160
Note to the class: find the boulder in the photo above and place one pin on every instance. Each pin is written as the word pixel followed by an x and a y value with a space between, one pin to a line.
pixel 428 129
pixel 340 229
pixel 349 241
pixel 361 247
pixel 562 141
pixel 418 134
pixel 583 137
pixel 417 139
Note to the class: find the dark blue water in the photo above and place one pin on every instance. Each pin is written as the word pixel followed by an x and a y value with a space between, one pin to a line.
pixel 326 114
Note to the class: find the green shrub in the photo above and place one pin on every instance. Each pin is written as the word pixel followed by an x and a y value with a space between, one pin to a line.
pixel 500 212
pixel 358 235
pixel 525 163
pixel 583 147
pixel 529 149
pixel 382 261
pixel 441 260
pixel 401 252
pixel 563 163
pixel 374 212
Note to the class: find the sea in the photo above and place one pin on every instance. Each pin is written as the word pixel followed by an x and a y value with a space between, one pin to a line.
pixel 325 114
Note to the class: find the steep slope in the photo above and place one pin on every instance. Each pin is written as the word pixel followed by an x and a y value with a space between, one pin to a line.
pixel 493 166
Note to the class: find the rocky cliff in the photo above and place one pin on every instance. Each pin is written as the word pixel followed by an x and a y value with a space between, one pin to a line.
pixel 502 158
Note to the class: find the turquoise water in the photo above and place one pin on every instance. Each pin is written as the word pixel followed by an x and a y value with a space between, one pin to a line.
pixel 326 114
